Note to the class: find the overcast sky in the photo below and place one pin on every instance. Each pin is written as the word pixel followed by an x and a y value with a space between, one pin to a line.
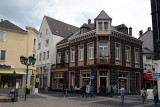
pixel 132 13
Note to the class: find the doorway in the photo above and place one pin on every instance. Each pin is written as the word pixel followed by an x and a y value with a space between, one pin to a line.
pixel 138 83
pixel 103 82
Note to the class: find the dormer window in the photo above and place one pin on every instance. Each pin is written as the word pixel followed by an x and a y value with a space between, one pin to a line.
pixel 99 25
pixel 105 25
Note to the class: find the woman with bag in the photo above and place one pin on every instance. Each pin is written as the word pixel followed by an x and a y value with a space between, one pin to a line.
pixel 143 95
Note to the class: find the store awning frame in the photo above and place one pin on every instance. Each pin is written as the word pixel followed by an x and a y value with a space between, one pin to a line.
pixel 11 72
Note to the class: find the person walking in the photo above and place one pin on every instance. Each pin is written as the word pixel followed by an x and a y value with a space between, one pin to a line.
pixel 84 90
pixel 155 94
pixel 143 94
pixel 46 89
pixel 87 90
pixel 64 90
pixel 122 91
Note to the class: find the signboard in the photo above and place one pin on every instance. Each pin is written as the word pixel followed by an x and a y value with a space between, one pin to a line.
pixel 91 77
pixel 149 74
pixel 156 74
pixel 37 79
pixel 150 94
pixel 36 90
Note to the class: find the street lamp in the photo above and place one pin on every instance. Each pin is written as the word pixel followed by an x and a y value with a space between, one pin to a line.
pixel 27 61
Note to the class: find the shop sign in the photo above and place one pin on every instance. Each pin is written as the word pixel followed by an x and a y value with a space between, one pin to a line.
pixel 150 94
pixel 149 74
pixel 35 72
pixel 37 79
pixel 5 66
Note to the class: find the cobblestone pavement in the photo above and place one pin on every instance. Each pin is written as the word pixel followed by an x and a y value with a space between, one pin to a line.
pixel 56 99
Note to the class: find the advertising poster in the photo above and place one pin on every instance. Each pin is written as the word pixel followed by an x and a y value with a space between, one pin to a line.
pixel 150 94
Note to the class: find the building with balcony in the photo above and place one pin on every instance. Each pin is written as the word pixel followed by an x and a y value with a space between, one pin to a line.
pixel 51 32
pixel 15 42
pixel 100 55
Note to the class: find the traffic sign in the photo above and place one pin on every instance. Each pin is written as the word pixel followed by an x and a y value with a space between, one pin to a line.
pixel 91 77
pixel 149 74
pixel 156 74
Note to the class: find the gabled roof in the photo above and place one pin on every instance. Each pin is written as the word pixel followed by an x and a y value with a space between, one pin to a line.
pixel 121 26
pixel 60 28
pixel 10 26
pixel 65 39
pixel 103 16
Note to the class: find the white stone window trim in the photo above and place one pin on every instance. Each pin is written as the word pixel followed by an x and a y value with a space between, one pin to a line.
pixel 4 34
pixel 5 54
pixel 81 53
pixel 91 51
pixel 72 55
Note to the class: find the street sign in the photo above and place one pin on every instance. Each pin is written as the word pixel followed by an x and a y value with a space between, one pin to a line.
pixel 149 74
pixel 91 77
pixel 156 74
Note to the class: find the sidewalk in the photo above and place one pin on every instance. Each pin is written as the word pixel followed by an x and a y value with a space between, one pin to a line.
pixel 4 98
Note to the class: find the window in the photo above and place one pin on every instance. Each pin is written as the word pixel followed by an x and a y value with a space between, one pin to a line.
pixel 81 52
pixel 118 51
pixel 99 25
pixel 59 57
pixel 39 46
pixel 44 55
pixel 136 56
pixel 47 42
pixel 40 34
pixel 46 31
pixel 47 54
pixel 73 55
pixel 34 43
pixel 91 51
pixel 2 55
pixel 103 49
pixel 67 56
pixel 2 35
pixel 40 55
pixel 105 25
pixel 127 53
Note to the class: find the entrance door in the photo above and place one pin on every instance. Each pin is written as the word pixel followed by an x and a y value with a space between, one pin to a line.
pixel 103 84
pixel 138 82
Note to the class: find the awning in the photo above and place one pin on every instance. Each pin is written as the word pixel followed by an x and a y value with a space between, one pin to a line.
pixel 151 79
pixel 11 72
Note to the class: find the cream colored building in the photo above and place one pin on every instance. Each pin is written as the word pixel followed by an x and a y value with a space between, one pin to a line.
pixel 15 42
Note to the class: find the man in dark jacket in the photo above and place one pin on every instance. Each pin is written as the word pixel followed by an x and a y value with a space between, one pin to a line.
pixel 155 94
pixel 84 91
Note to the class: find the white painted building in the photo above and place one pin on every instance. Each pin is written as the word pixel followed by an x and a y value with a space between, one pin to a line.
pixel 50 33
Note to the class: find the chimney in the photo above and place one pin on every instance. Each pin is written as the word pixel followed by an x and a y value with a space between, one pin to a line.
pixel 130 31
pixel 89 21
pixel 140 33
pixel 149 28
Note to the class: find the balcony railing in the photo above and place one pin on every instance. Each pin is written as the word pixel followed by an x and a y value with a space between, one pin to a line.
pixel 103 60
pixel 61 65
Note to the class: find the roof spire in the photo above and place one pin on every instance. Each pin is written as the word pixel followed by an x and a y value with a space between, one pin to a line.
pixel 103 15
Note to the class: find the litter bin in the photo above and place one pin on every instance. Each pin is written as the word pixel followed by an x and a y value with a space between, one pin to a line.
pixel 15 95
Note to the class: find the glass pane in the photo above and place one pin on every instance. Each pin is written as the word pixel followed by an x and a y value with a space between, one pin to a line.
pixel 1 35
pixel 88 75
pixel 105 25
pixel 102 44
pixel 100 51
pixel 105 51
pixel 100 25
pixel 3 53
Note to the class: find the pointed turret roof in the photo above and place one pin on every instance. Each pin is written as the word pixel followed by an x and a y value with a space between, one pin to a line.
pixel 103 15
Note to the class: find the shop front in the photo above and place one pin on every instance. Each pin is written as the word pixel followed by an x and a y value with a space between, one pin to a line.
pixel 57 80
pixel 85 78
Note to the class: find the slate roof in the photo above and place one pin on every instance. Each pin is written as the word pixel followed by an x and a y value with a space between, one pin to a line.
pixel 60 28
pixel 120 26
pixel 103 16
pixel 91 26
pixel 64 40
pixel 10 26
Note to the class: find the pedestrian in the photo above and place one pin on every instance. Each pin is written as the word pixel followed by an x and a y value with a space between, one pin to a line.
pixel 155 94
pixel 87 89
pixel 143 94
pixel 92 91
pixel 84 90
pixel 122 91
pixel 64 90
pixel 46 89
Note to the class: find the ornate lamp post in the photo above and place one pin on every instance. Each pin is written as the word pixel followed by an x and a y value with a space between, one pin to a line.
pixel 27 61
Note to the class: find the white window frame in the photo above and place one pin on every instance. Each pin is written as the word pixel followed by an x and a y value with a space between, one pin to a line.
pixel 100 26
pixel 127 51
pixel 73 55
pixel 67 53
pixel 5 55
pixel 81 53
pixel 3 36
pixel 104 25
pixel 91 51
pixel 118 51
pixel 59 57
pixel 103 49
pixel 136 56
